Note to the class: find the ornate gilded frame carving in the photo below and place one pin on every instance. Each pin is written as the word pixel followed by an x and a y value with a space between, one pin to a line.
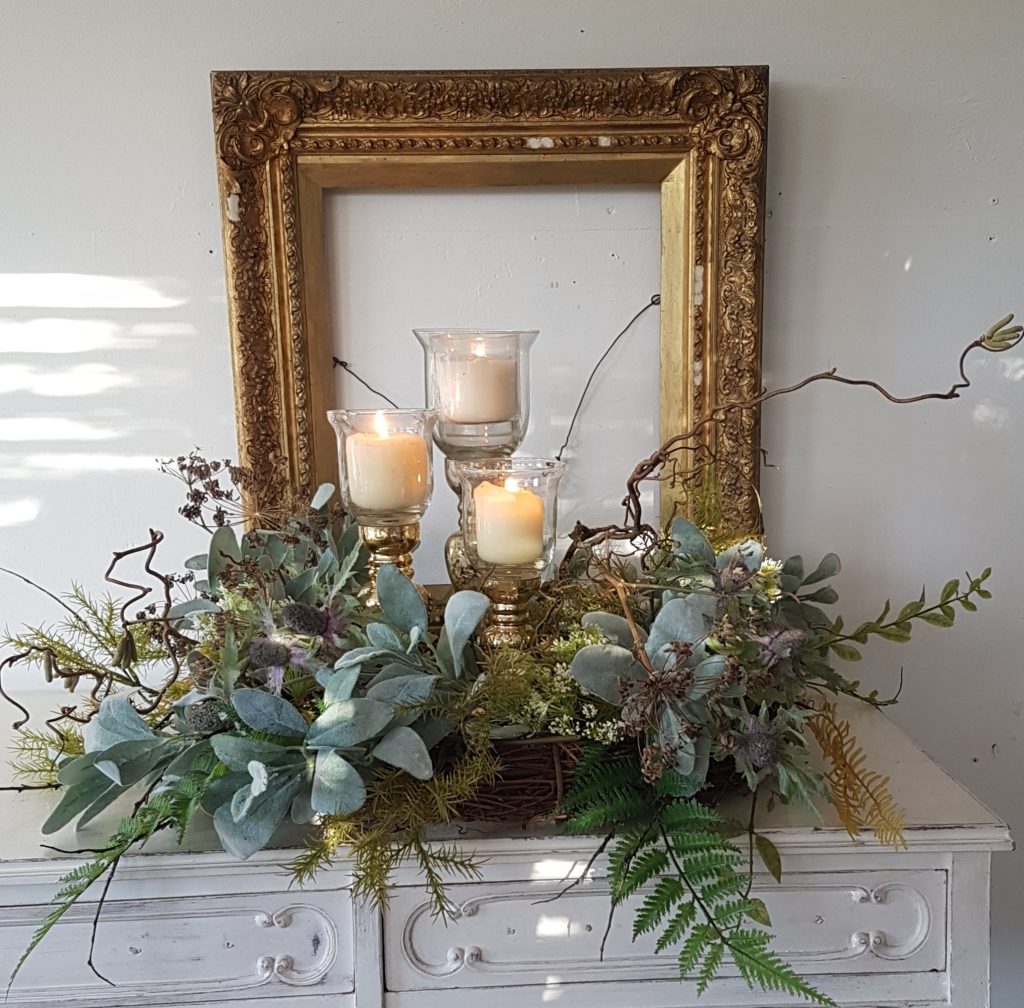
pixel 284 138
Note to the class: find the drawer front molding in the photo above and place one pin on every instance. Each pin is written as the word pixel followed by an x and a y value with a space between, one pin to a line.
pixel 519 934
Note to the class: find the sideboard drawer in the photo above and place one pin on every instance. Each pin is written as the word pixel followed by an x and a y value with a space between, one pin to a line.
pixel 508 933
pixel 251 949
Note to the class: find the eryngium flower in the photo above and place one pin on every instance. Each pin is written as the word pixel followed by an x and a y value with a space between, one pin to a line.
pixel 205 717
pixel 264 653
pixel 304 619
pixel 759 744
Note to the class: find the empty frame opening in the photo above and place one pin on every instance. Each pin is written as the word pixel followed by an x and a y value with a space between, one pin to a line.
pixel 575 262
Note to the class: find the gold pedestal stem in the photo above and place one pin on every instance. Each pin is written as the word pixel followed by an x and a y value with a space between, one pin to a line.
pixel 389 544
pixel 508 621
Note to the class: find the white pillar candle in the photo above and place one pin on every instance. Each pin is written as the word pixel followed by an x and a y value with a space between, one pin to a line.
pixel 478 388
pixel 386 470
pixel 509 523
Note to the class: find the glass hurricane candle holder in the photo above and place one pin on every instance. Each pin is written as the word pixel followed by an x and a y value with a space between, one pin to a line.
pixel 478 381
pixel 387 476
pixel 509 525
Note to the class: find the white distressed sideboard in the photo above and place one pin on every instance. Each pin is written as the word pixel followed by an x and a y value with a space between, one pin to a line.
pixel 873 927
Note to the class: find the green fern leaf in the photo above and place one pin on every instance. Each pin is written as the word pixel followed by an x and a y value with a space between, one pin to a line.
pixel 658 904
pixel 758 965
pixel 709 968
pixel 694 948
pixel 641 870
pixel 677 926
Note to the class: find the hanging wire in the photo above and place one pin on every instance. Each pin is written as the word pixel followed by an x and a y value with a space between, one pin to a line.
pixel 655 300
pixel 345 366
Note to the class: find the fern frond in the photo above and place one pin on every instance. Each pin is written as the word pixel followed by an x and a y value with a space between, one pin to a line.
pixel 677 926
pixel 759 965
pixel 710 967
pixel 644 867
pixel 658 904
pixel 695 947
pixel 861 797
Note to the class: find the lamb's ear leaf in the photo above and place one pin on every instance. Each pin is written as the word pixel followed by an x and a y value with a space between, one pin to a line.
pixel 403 748
pixel 400 603
pixel 323 494
pixel 462 616
pixel 337 787
pixel 253 831
pixel 264 712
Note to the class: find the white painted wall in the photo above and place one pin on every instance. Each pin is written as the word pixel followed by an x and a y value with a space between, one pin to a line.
pixel 896 209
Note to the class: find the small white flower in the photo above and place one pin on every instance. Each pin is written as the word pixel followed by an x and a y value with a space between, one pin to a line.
pixel 258 773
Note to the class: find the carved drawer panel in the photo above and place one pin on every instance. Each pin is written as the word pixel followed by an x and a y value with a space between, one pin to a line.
pixel 881 922
pixel 250 949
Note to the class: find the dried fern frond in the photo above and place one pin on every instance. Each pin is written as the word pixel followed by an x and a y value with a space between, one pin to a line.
pixel 861 796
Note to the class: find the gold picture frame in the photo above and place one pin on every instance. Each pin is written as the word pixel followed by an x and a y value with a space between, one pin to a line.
pixel 283 138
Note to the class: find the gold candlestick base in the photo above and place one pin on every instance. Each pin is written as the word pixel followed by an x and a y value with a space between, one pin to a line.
pixel 508 619
pixel 460 568
pixel 389 544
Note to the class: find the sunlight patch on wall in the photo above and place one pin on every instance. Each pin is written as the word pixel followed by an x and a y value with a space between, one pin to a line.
pixel 50 429
pixel 18 512
pixel 82 380
pixel 85 462
pixel 56 336
pixel 81 290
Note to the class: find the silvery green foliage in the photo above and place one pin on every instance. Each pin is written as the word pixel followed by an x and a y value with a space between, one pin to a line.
pixel 277 762
pixel 682 680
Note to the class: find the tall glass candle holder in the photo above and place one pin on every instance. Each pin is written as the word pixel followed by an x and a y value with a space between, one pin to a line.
pixel 478 381
pixel 387 477
pixel 509 526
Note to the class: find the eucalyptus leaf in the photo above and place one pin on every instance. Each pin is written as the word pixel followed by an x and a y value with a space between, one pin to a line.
pixel 677 620
pixel 192 606
pixel 197 562
pixel 264 712
pixel 829 567
pixel 691 543
pixel 614 627
pixel 337 787
pixel 403 748
pixel 348 723
pixel 252 833
pixel 400 603
pixel 749 552
pixel 603 669
pixel 462 616
pixel 223 551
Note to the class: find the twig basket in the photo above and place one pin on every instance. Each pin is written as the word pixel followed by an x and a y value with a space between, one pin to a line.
pixel 535 776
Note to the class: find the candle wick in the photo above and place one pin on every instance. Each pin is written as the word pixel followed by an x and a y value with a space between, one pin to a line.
pixel 345 366
pixel 655 300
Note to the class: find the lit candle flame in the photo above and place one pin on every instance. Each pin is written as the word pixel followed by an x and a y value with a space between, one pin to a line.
pixel 380 425
pixel 479 350
pixel 512 485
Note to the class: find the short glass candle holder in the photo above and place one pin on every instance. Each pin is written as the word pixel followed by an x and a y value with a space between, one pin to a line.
pixel 387 477
pixel 509 511
pixel 478 381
